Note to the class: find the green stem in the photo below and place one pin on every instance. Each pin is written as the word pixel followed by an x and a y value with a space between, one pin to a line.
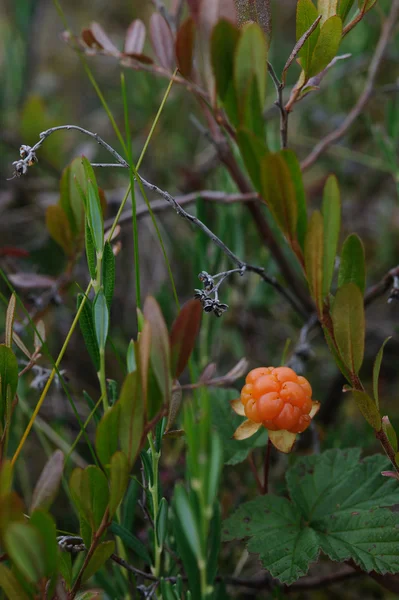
pixel 102 380
pixel 154 491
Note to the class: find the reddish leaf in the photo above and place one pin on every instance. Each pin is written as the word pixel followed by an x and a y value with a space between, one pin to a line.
pixel 160 350
pixel 142 58
pixel 183 335
pixel 13 251
pixel 194 6
pixel 162 41
pixel 90 40
pixel 184 47
pixel 103 40
pixel 135 37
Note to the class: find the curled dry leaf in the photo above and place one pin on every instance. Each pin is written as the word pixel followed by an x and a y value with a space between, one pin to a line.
pixel 162 41
pixel 135 37
pixel 208 373
pixel 31 281
pixel 246 430
pixel 282 440
pixel 238 370
pixel 174 405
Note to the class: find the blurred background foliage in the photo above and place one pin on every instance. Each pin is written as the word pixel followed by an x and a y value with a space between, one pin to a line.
pixel 43 84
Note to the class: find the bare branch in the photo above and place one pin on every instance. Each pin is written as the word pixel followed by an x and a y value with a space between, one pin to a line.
pixel 386 33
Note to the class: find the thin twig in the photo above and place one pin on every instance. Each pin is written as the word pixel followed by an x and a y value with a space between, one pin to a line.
pixel 387 30
pixel 279 85
pixel 379 289
pixel 22 165
pixel 254 470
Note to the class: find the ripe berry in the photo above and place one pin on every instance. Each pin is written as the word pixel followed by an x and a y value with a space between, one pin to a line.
pixel 278 398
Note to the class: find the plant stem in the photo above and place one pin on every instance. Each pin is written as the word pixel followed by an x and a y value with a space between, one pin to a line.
pixel 102 380
pixel 267 468
pixel 154 491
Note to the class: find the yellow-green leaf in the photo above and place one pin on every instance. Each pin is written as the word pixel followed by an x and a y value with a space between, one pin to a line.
pixel 306 15
pixel 368 409
pixel 327 9
pixel 314 246
pixel 10 585
pixel 59 228
pixel 131 422
pixel 250 65
pixel 327 45
pixel 332 224
pixel 119 478
pixel 107 435
pixel 349 325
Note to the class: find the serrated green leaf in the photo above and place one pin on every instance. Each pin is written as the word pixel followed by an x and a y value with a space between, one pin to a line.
pixel 253 150
pixel 108 273
pixel 86 324
pixel 8 380
pixel 335 507
pixel 376 371
pixel 352 267
pixel 49 482
pixel 327 8
pixel 131 541
pixel 344 8
pixel 100 556
pixel 119 479
pixel 368 408
pixel 331 227
pixel 101 319
pixel 90 251
pixel 107 435
pixel 306 15
pixel 349 325
pixel 327 45
pixel 314 247
pixel 279 193
pixel 10 585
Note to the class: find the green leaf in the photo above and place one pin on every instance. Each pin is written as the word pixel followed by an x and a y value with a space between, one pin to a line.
pixel 390 433
pixel 226 421
pixel 349 326
pixel 296 177
pixel 107 435
pixel 108 273
pixel 327 8
pixel 214 543
pixel 185 514
pixel 10 316
pixel 59 229
pixel 65 567
pixel 344 8
pixel 253 150
pixel 327 45
pixel 131 358
pixel 189 559
pixel 101 319
pixel 223 44
pixel 352 268
pixel 94 210
pixel 131 424
pixel 131 541
pixel 45 526
pixel 100 556
pixel 70 198
pixel 161 525
pixel 183 335
pixel 365 5
pixel 90 251
pixel 306 15
pixel 89 491
pixel 47 486
pixel 8 380
pixel 337 505
pixel 119 479
pixel 214 469
pixel 250 67
pixel 368 409
pixel 279 193
pixel 24 545
pixel 10 585
pixel 331 227
pixel 314 245
pixel 376 371
pixel 86 323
